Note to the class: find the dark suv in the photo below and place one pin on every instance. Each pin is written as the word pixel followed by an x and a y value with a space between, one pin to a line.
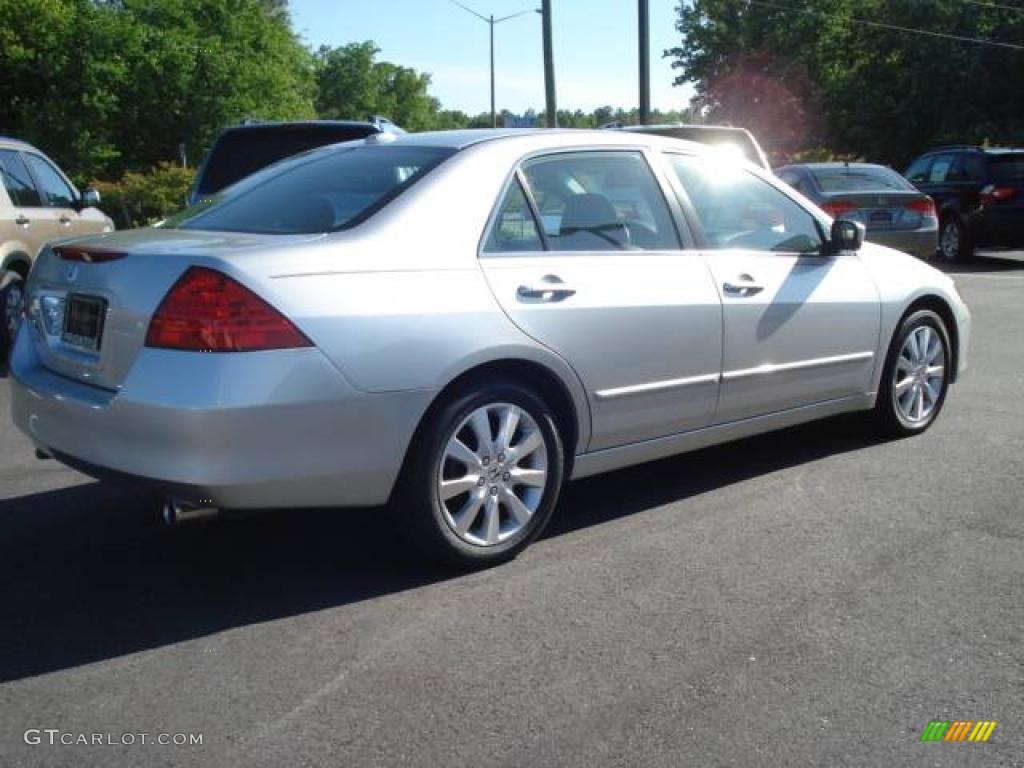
pixel 979 193
pixel 244 149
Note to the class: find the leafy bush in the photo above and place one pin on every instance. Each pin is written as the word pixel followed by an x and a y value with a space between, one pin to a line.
pixel 141 199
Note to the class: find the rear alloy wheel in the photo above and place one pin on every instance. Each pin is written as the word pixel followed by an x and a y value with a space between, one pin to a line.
pixel 953 245
pixel 12 300
pixel 483 479
pixel 916 376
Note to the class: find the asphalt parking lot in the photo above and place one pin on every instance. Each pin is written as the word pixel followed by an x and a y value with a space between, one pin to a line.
pixel 813 597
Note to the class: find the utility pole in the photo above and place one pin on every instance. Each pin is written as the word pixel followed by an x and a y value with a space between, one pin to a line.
pixel 491 21
pixel 494 115
pixel 645 61
pixel 549 66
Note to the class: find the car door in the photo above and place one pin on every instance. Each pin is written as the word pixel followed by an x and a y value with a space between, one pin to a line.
pixel 606 283
pixel 938 176
pixel 947 178
pixel 27 218
pixel 60 200
pixel 799 328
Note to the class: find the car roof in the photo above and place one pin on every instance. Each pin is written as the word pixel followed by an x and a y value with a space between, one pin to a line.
pixel 18 142
pixel 687 126
pixel 542 137
pixel 292 124
pixel 834 166
pixel 974 148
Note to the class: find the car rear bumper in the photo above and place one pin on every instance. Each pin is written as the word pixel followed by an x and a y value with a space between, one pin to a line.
pixel 245 430
pixel 917 242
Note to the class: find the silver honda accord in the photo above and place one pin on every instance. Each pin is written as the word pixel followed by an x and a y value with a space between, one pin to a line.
pixel 455 324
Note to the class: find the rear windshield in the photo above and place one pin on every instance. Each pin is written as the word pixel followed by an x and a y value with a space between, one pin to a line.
pixel 1007 168
pixel 240 152
pixel 859 179
pixel 324 191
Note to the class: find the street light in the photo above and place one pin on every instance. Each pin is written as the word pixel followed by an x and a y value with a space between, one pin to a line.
pixel 491 21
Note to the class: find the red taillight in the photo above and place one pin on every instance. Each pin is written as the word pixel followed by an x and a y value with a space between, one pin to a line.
pixel 925 207
pixel 838 210
pixel 89 255
pixel 993 194
pixel 206 311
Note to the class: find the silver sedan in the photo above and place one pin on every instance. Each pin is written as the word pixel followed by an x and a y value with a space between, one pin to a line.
pixel 455 324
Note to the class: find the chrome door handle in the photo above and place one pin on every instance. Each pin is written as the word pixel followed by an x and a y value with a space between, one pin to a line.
pixel 550 288
pixel 64 220
pixel 745 286
pixel 22 220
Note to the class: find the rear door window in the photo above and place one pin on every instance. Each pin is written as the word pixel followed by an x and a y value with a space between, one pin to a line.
pixel 18 181
pixel 940 169
pixel 55 192
pixel 972 167
pixel 917 173
pixel 514 228
pixel 600 201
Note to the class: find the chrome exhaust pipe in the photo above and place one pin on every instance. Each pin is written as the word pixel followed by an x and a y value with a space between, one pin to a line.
pixel 176 512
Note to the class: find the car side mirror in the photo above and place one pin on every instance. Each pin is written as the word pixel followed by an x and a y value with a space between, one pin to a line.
pixel 846 235
pixel 90 198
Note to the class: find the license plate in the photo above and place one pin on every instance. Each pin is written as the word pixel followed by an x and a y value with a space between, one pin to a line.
pixel 880 217
pixel 83 321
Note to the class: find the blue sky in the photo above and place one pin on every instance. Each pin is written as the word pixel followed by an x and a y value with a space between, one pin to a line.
pixel 595 48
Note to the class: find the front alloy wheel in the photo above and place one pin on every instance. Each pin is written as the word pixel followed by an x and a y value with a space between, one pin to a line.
pixel 916 377
pixel 482 478
pixel 920 375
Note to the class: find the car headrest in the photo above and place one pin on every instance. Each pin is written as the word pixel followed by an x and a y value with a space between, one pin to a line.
pixel 589 222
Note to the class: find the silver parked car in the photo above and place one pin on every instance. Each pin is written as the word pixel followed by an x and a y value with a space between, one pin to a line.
pixel 457 323
pixel 894 212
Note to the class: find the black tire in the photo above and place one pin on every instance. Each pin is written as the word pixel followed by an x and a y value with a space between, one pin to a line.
pixel 888 412
pixel 954 241
pixel 10 282
pixel 416 505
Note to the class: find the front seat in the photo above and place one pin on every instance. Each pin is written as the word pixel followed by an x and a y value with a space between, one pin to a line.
pixel 590 223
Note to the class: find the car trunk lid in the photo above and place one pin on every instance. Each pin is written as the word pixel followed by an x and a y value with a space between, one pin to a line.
pixel 882 210
pixel 89 301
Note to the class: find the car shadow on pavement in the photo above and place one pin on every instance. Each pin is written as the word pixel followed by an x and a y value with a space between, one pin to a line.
pixel 88 573
pixel 987 261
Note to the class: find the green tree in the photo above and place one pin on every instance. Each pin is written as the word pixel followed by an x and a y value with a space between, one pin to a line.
pixel 108 86
pixel 818 72
pixel 200 65
pixel 352 84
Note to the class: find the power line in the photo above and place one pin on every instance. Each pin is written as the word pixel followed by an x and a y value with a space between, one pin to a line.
pixel 893 27
pixel 997 6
